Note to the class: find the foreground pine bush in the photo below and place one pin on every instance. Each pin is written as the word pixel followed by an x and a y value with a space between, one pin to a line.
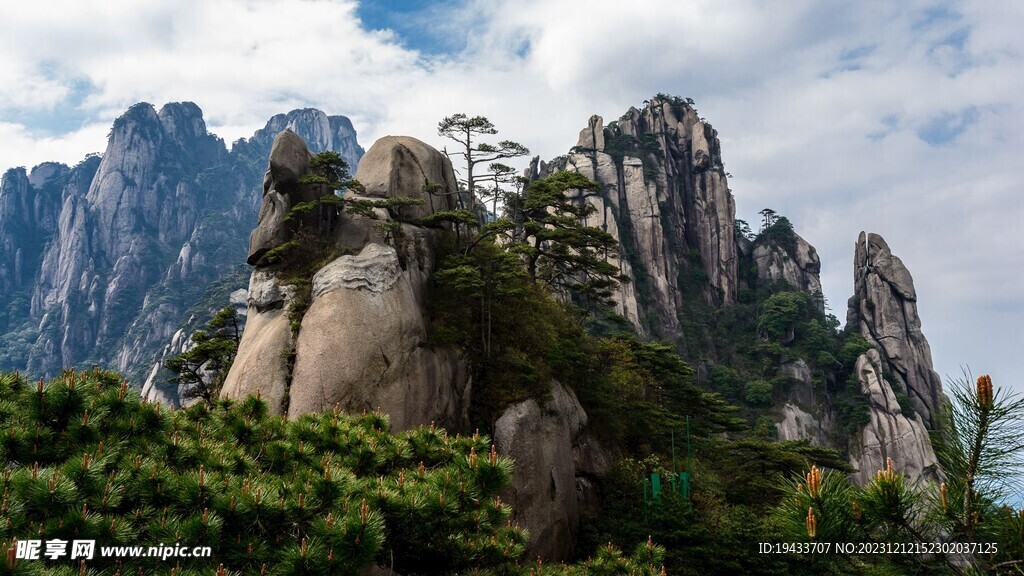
pixel 84 458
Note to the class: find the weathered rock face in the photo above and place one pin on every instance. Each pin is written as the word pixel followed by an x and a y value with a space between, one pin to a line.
pixel 29 205
pixel 668 204
pixel 257 369
pixel 803 412
pixel 884 310
pixel 796 264
pixel 393 168
pixel 890 434
pixel 110 244
pixel 358 345
pixel 289 161
pixel 111 254
pixel 540 438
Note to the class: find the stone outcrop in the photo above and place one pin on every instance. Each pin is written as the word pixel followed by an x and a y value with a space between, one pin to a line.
pixel 541 437
pixel 358 344
pixel 109 255
pixel 797 264
pixel 256 368
pixel 890 433
pixel 884 310
pixel 666 200
pixel 802 412
pixel 29 206
pixel 394 167
pixel 289 161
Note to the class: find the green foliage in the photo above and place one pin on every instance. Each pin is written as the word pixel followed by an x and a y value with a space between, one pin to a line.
pixel 560 252
pixel 621 145
pixel 743 230
pixel 758 393
pixel 516 335
pixel 780 232
pixel 979 448
pixel 718 531
pixel 330 170
pixel 979 445
pixel 853 346
pixel 467 131
pixel 84 457
pixel 906 405
pixel 203 368
pixel 780 313
pixel 639 393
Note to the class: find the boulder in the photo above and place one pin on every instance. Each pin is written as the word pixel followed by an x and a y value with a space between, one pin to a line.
pixel 798 265
pixel 796 423
pixel 404 166
pixel 289 161
pixel 359 345
pixel 262 362
pixel 539 436
pixel 592 137
pixel 701 153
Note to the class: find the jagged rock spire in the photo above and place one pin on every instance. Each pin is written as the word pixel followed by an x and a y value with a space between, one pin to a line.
pixel 884 310
pixel 667 201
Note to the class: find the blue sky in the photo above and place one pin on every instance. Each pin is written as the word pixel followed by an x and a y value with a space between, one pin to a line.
pixel 903 119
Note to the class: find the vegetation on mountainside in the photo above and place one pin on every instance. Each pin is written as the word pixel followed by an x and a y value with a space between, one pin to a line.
pixel 523 330
pixel 526 297
pixel 85 458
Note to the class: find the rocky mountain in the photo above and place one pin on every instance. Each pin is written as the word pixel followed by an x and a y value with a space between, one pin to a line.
pixel 348 331
pixel 667 201
pixel 117 259
pixel 884 311
pixel 107 261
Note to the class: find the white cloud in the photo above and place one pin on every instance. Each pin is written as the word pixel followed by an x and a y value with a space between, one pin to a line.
pixel 22 148
pixel 821 108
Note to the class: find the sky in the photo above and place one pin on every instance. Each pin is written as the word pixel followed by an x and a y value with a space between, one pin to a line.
pixel 900 118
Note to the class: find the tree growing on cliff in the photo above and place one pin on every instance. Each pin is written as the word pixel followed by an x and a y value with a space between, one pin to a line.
pixel 202 369
pixel 560 251
pixel 467 131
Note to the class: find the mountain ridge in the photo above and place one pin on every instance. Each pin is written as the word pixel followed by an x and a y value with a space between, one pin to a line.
pixel 125 241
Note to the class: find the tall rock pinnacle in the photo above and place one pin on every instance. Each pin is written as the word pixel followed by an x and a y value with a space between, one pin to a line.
pixel 884 310
pixel 667 201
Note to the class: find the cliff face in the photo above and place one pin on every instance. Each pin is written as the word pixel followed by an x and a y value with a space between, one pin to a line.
pixel 796 264
pixel 109 255
pixel 667 201
pixel 890 433
pixel 29 205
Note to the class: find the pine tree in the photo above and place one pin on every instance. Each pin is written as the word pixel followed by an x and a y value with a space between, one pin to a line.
pixel 467 131
pixel 560 251
pixel 202 369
